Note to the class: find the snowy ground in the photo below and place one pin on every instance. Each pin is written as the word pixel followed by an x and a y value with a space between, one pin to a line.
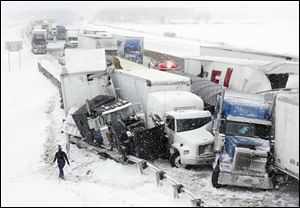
pixel 31 125
pixel 258 36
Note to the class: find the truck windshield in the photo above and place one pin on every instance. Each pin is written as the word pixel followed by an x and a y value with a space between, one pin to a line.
pixel 73 38
pixel 131 49
pixel 248 130
pixel 120 114
pixel 39 41
pixel 191 123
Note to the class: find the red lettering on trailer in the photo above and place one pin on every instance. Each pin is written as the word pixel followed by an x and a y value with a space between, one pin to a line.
pixel 205 74
pixel 227 77
pixel 214 74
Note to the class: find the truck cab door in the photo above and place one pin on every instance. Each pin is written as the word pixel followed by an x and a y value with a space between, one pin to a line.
pixel 170 128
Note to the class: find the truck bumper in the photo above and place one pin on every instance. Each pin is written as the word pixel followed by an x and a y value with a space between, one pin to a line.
pixel 198 160
pixel 71 45
pixel 261 182
pixel 39 51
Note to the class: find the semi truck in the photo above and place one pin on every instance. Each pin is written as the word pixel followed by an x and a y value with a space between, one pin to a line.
pixel 251 136
pixel 168 98
pixel 243 75
pixel 39 41
pixel 71 39
pixel 52 31
pixel 60 32
pixel 96 118
pixel 112 126
pixel 130 48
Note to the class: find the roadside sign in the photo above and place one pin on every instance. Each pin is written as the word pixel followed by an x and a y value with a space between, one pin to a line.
pixel 13 45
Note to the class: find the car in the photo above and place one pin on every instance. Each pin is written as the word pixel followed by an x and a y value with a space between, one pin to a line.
pixel 164 65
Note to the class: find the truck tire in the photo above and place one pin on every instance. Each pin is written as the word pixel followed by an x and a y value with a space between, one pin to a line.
pixel 176 161
pixel 215 176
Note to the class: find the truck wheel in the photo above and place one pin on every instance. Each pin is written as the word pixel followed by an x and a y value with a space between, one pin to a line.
pixel 175 160
pixel 215 176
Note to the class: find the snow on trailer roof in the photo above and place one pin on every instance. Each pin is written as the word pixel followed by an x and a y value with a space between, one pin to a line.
pixel 267 66
pixel 250 51
pixel 188 114
pixel 154 76
pixel 173 99
pixel 38 30
pixel 84 60
pixel 72 32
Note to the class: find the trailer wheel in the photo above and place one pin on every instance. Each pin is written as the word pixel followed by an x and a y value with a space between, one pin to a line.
pixel 175 160
pixel 215 176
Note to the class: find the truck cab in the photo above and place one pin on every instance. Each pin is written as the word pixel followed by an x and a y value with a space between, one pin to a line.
pixel 243 142
pixel 187 126
pixel 71 39
pixel 39 41
pixel 60 32
pixel 112 124
pixel 131 48
pixel 189 137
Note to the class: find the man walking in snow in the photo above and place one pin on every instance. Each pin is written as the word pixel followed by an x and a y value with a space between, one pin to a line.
pixel 61 158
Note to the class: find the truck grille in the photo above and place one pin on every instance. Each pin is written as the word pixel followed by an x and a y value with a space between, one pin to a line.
pixel 247 161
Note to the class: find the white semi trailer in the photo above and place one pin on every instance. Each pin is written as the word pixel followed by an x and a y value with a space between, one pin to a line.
pixel 287 133
pixel 84 76
pixel 169 97
pixel 244 75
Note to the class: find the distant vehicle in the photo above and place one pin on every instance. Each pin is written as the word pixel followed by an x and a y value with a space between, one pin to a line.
pixel 71 39
pixel 131 48
pixel 51 31
pixel 60 32
pixel 164 65
pixel 39 41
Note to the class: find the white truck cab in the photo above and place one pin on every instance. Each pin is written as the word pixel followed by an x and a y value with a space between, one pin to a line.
pixel 187 126
pixel 71 39
pixel 189 137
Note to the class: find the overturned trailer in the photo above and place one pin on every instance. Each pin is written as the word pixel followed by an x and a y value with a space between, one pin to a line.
pixel 244 75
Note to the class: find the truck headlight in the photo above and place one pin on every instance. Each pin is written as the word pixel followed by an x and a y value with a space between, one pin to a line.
pixel 129 134
pixel 205 149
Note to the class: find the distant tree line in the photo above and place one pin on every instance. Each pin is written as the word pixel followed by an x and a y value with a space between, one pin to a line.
pixel 158 14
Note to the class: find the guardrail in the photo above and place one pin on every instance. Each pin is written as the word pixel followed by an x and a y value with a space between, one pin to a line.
pixel 178 188
pixel 54 81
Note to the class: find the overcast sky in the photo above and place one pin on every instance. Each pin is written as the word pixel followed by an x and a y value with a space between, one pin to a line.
pixel 268 10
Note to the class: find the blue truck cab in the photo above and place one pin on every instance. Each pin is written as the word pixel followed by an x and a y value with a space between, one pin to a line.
pixel 243 144
pixel 131 48
pixel 60 32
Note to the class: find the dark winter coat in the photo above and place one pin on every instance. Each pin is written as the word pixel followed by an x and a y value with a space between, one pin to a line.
pixel 61 157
